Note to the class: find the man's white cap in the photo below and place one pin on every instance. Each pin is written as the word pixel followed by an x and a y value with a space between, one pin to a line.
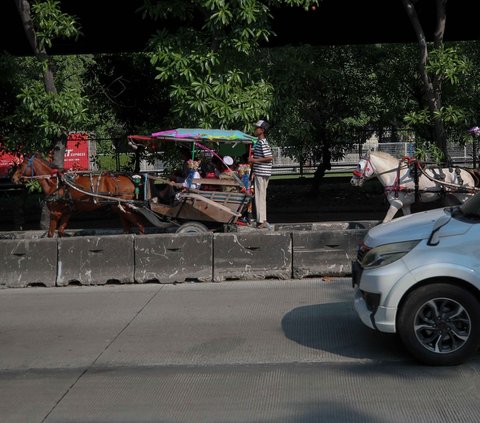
pixel 262 124
pixel 228 160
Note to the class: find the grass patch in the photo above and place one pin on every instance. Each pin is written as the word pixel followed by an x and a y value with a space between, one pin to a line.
pixel 108 162
pixel 329 175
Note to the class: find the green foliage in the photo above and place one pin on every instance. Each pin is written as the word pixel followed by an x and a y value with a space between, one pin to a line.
pixel 210 93
pixel 324 99
pixel 107 162
pixel 51 113
pixel 448 64
pixel 417 117
pixel 33 186
pixel 453 75
pixel 40 116
pixel 213 69
pixel 428 151
pixel 207 68
pixel 50 23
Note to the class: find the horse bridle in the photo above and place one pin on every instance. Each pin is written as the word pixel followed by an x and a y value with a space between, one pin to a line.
pixel 29 165
pixel 361 175
pixel 32 176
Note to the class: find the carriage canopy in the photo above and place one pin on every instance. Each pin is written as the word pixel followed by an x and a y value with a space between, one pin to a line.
pixel 229 142
pixel 195 135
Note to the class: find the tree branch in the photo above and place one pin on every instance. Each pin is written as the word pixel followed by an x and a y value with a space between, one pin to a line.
pixel 432 88
pixel 441 22
pixel 422 42
pixel 23 7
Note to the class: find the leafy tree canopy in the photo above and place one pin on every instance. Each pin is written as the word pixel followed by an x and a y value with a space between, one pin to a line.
pixel 213 59
pixel 50 100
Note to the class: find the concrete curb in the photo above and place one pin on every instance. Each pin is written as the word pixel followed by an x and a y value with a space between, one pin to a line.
pixel 295 250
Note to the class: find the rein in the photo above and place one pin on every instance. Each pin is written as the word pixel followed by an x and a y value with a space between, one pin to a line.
pixel 362 174
pixel 30 164
pixel 39 177
pixel 64 180
pixel 396 187
pixel 448 184
pixel 404 163
pixel 92 194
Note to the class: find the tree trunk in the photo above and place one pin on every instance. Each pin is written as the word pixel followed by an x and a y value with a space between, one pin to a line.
pixel 432 86
pixel 59 148
pixel 23 7
pixel 321 169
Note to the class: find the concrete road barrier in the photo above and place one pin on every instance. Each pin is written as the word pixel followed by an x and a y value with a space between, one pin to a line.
pixel 291 250
pixel 325 226
pixel 28 262
pixel 96 260
pixel 326 253
pixel 173 258
pixel 256 255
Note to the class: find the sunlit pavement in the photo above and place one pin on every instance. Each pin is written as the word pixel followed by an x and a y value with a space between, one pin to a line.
pixel 257 351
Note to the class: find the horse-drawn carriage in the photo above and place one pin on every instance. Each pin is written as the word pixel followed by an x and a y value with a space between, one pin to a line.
pixel 194 207
pixel 190 210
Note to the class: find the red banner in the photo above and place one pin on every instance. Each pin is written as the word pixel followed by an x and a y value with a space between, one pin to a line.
pixel 77 152
pixel 7 161
pixel 76 155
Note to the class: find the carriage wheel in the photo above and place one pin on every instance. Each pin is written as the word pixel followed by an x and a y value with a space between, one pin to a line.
pixel 192 228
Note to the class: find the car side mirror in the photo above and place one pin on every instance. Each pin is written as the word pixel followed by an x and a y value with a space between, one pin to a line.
pixel 434 238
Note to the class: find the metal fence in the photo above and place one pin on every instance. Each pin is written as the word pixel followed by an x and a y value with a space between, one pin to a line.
pixel 284 165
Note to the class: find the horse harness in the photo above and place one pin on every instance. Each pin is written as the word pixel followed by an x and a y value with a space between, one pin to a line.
pixel 110 197
pixel 439 176
pixel 396 187
pixel 54 196
pixel 416 170
pixel 413 165
pixel 66 181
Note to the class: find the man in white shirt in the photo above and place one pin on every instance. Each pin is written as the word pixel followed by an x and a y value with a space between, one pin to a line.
pixel 262 170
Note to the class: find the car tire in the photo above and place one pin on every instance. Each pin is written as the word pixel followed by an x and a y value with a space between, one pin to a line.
pixel 192 228
pixel 439 324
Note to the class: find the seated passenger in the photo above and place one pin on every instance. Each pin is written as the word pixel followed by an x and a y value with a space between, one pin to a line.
pixel 229 175
pixel 210 174
pixel 193 174
pixel 164 193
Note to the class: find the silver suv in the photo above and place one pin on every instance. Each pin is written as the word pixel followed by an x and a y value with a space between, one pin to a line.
pixel 419 276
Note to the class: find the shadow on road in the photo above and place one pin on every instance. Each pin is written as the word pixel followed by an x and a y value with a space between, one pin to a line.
pixel 335 328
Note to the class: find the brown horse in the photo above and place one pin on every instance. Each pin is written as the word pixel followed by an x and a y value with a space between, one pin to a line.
pixel 67 193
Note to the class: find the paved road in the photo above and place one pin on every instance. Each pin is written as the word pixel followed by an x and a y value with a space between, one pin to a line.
pixel 264 351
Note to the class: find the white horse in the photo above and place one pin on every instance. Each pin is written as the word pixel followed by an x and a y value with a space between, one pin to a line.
pixel 405 181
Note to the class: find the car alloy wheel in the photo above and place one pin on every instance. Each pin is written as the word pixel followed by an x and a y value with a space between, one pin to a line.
pixel 439 324
pixel 442 325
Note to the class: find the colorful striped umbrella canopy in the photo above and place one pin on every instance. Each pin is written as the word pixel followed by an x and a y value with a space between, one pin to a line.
pixel 199 134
